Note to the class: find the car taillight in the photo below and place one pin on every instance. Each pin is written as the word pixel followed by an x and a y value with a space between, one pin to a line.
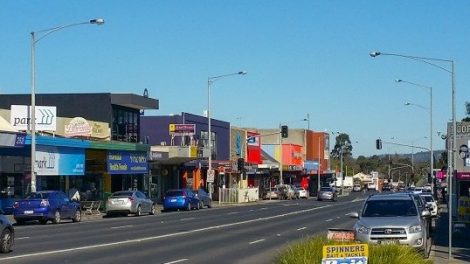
pixel 130 198
pixel 16 205
pixel 44 203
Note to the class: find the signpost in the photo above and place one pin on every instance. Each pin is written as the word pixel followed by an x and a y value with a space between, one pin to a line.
pixel 210 176
pixel 345 254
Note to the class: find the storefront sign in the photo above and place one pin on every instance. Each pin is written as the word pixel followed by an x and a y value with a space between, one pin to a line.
pixel 78 126
pixel 60 161
pixel 463 176
pixel 12 140
pixel 360 260
pixel 338 234
pixel 123 162
pixel 182 129
pixel 45 117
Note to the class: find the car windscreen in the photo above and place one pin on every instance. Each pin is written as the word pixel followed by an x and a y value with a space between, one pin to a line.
pixel 174 193
pixel 121 194
pixel 389 208
pixel 428 198
pixel 38 196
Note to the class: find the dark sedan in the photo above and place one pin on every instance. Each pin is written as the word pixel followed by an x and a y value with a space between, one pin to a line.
pixel 204 198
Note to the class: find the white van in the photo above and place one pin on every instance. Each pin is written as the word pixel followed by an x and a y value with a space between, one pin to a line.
pixel 371 186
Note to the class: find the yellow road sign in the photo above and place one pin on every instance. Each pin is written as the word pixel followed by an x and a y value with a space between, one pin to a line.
pixel 346 251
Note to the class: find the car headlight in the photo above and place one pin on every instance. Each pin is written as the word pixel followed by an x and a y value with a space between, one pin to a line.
pixel 362 229
pixel 415 229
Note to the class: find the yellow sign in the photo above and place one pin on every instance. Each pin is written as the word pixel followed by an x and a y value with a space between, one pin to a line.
pixel 345 251
pixel 172 128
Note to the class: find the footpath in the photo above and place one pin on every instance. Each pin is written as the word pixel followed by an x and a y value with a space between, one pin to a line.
pixel 460 241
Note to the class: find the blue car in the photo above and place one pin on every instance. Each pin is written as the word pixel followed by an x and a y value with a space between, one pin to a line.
pixel 180 199
pixel 45 206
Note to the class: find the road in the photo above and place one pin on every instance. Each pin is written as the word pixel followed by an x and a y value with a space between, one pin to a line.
pixel 254 233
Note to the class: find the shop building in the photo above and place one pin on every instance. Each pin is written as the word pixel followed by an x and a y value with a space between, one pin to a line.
pixel 180 150
pixel 94 143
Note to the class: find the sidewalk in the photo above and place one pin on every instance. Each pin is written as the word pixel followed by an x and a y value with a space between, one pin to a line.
pixel 460 241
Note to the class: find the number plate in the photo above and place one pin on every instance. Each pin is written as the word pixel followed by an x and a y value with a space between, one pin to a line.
pixel 173 200
pixel 29 212
pixel 117 202
pixel 388 242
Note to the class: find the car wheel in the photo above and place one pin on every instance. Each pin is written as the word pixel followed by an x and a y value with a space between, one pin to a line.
pixel 56 219
pixel 188 208
pixel 200 205
pixel 43 221
pixel 152 210
pixel 6 241
pixel 139 211
pixel 77 217
pixel 209 205
pixel 19 222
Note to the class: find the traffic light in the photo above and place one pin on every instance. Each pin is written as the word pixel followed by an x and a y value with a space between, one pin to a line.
pixel 284 131
pixel 241 164
pixel 378 143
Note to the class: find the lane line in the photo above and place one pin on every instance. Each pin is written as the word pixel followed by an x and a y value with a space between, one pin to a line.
pixel 176 261
pixel 187 219
pixel 139 240
pixel 20 238
pixel 232 213
pixel 263 208
pixel 329 220
pixel 121 227
pixel 302 228
pixel 256 241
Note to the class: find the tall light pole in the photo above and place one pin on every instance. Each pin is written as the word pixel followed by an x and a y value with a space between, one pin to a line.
pixel 451 166
pixel 42 34
pixel 210 81
pixel 431 161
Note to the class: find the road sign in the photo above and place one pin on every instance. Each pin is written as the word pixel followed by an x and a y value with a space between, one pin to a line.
pixel 345 251
pixel 210 176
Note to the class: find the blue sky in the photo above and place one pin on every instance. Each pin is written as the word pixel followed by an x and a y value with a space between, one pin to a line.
pixel 301 57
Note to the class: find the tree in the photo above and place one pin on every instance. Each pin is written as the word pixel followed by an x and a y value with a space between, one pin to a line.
pixel 342 143
pixel 467 112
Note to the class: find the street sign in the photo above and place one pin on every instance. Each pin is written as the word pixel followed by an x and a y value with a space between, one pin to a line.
pixel 360 260
pixel 210 176
pixel 345 251
pixel 182 129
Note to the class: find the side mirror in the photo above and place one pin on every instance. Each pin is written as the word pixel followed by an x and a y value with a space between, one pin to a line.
pixel 425 213
pixel 354 215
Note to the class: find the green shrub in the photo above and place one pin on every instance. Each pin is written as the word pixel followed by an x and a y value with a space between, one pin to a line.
pixel 310 251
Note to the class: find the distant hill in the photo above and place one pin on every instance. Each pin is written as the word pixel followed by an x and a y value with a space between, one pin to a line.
pixel 418 157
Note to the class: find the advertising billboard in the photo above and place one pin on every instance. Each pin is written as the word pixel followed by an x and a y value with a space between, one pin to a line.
pixel 45 117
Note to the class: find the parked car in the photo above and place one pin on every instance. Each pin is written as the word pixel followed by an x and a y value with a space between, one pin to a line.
pixel 179 199
pixel 204 198
pixel 7 234
pixel 272 193
pixel 45 206
pixel 393 219
pixel 430 203
pixel 129 202
pixel 300 192
pixel 327 193
pixel 285 191
pixel 357 188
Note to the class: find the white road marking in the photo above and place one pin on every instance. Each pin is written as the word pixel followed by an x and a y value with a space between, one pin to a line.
pixel 263 208
pixel 176 261
pixel 121 227
pixel 302 228
pixel 251 210
pixel 187 219
pixel 328 220
pixel 20 238
pixel 139 240
pixel 256 241
pixel 232 213
pixel 338 217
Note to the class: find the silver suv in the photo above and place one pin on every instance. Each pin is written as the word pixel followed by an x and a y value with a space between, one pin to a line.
pixel 393 219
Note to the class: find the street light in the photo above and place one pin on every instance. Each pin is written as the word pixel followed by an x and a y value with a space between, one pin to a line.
pixel 42 34
pixel 454 125
pixel 431 164
pixel 210 81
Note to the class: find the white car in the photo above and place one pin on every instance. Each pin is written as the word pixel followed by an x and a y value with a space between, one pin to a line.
pixel 430 203
pixel 300 192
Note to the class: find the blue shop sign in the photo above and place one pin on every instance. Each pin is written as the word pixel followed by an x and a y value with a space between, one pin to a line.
pixel 125 162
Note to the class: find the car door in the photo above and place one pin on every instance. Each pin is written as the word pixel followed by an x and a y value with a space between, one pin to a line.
pixel 65 205
pixel 146 206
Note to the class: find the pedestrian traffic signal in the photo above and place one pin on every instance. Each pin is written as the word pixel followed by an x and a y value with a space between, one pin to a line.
pixel 378 143
pixel 284 131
